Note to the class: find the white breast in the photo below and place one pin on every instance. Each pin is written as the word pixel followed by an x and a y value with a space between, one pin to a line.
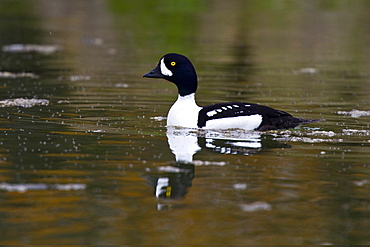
pixel 184 112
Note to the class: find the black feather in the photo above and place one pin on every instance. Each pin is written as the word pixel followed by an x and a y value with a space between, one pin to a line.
pixel 272 119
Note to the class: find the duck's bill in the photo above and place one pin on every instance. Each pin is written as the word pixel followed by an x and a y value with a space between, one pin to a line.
pixel 155 73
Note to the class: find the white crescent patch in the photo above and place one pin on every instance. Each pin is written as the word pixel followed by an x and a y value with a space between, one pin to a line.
pixel 164 69
pixel 241 122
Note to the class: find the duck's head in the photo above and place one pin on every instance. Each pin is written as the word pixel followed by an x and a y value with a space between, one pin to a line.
pixel 178 69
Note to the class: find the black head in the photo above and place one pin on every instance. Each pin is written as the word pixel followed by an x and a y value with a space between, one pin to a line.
pixel 178 69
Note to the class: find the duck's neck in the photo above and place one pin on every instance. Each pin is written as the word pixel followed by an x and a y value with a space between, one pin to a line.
pixel 187 98
pixel 187 84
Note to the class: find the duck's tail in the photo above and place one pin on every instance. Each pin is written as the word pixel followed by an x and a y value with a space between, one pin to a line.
pixel 305 121
pixel 285 122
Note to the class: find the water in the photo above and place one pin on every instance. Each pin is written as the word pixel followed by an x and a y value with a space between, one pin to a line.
pixel 96 164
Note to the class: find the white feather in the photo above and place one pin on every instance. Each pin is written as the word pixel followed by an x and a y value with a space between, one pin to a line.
pixel 211 113
pixel 241 122
pixel 164 69
pixel 184 112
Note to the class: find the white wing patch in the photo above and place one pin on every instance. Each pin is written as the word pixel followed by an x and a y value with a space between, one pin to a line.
pixel 241 122
pixel 164 69
pixel 211 113
pixel 223 108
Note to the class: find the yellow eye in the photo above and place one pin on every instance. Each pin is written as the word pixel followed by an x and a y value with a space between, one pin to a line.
pixel 173 63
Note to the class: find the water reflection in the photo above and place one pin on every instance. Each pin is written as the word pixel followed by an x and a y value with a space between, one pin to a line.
pixel 174 180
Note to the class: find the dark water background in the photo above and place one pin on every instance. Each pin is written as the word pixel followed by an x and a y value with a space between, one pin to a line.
pixel 88 167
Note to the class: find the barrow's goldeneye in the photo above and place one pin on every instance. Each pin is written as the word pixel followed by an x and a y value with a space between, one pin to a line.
pixel 186 113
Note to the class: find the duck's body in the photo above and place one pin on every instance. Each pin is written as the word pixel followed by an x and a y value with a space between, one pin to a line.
pixel 231 115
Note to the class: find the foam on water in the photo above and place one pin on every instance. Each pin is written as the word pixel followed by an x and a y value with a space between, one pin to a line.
pixel 26 103
pixel 40 186
pixel 42 49
pixel 355 113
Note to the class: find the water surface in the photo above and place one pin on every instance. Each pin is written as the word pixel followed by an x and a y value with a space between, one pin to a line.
pixel 95 163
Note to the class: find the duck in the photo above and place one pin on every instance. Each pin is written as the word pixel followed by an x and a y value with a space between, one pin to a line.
pixel 185 112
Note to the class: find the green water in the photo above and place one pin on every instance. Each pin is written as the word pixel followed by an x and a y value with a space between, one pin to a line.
pixel 88 168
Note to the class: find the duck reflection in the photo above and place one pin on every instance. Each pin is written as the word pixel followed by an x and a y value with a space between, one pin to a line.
pixel 232 142
pixel 173 181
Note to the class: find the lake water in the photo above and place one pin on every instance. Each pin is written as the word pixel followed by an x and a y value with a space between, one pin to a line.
pixel 85 155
